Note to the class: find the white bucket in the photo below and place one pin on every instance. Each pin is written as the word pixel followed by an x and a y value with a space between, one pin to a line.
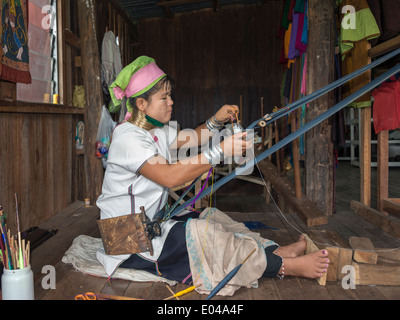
pixel 18 284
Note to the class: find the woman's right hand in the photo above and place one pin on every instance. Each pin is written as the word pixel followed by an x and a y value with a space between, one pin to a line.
pixel 236 145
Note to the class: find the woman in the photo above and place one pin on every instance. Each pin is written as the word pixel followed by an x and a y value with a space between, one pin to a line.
pixel 140 172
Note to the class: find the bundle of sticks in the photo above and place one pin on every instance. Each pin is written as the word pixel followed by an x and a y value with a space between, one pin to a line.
pixel 14 251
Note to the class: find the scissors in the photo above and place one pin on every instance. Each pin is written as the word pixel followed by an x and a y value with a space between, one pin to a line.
pixel 86 296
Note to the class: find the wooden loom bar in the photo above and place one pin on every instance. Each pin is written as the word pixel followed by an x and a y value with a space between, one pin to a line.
pixel 386 223
pixel 304 207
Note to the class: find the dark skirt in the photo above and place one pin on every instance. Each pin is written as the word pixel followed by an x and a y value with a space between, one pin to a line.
pixel 173 263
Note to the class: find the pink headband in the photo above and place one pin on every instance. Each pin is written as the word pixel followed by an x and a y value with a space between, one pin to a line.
pixel 139 81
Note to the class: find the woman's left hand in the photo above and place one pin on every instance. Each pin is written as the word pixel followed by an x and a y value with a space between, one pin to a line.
pixel 227 113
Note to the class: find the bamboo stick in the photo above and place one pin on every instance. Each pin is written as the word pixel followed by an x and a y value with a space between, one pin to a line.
pixel 114 297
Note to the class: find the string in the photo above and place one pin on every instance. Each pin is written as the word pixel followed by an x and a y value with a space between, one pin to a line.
pixel 301 233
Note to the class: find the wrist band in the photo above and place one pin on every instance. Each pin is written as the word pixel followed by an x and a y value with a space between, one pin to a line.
pixel 218 123
pixel 213 126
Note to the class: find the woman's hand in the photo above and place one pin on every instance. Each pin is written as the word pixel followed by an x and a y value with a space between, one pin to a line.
pixel 236 145
pixel 226 113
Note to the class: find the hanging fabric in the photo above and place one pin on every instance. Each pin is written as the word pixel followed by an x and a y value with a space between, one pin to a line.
pixel 14 42
pixel 386 112
pixel 353 44
pixel 111 66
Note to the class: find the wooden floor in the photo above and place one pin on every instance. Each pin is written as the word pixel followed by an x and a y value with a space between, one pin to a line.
pixel 243 202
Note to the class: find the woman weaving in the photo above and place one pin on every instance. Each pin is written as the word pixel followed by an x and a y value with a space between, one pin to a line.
pixel 192 249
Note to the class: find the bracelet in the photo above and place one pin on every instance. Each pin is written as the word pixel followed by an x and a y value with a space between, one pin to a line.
pixel 282 276
pixel 212 126
pixel 218 123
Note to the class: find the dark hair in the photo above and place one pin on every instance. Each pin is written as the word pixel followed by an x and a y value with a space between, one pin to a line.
pixel 167 80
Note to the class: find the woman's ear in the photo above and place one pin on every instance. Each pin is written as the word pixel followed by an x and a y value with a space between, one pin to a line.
pixel 141 104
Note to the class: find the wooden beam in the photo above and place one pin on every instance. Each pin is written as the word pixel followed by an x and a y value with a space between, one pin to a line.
pixel 364 250
pixel 304 207
pixel 386 223
pixel 378 275
pixel 178 2
pixel 72 39
pixel 391 206
pixel 385 47
pixel 37 108
pixel 91 74
pixel 388 256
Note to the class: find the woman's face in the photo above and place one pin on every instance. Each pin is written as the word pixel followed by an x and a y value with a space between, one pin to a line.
pixel 159 107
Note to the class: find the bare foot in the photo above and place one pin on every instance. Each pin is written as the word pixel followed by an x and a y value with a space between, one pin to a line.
pixel 293 250
pixel 312 265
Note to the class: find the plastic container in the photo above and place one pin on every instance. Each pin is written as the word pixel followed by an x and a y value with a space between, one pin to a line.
pixel 17 284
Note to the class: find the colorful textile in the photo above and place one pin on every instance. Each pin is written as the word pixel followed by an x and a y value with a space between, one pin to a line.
pixel 288 35
pixel 300 5
pixel 304 37
pixel 286 10
pixel 299 44
pixel 386 111
pixel 293 52
pixel 135 79
pixel 353 44
pixel 366 27
pixel 216 245
pixel 14 42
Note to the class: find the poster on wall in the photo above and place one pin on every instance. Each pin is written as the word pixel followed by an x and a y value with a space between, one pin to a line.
pixel 14 41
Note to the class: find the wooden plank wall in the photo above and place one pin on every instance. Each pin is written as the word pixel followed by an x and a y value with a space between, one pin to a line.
pixel 217 56
pixel 112 18
pixel 37 162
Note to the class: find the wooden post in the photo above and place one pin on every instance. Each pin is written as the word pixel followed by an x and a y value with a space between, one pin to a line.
pixel 365 156
pixel 91 74
pixel 383 169
pixel 319 146
pixel 295 151
pixel 262 129
pixel 365 149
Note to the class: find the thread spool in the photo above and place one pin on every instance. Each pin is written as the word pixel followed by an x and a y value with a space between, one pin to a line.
pixel 46 98
pixel 262 123
pixel 56 99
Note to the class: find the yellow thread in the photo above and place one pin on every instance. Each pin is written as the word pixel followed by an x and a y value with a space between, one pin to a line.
pixel 181 293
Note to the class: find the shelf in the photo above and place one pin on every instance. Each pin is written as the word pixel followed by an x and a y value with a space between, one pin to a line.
pixel 353 122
